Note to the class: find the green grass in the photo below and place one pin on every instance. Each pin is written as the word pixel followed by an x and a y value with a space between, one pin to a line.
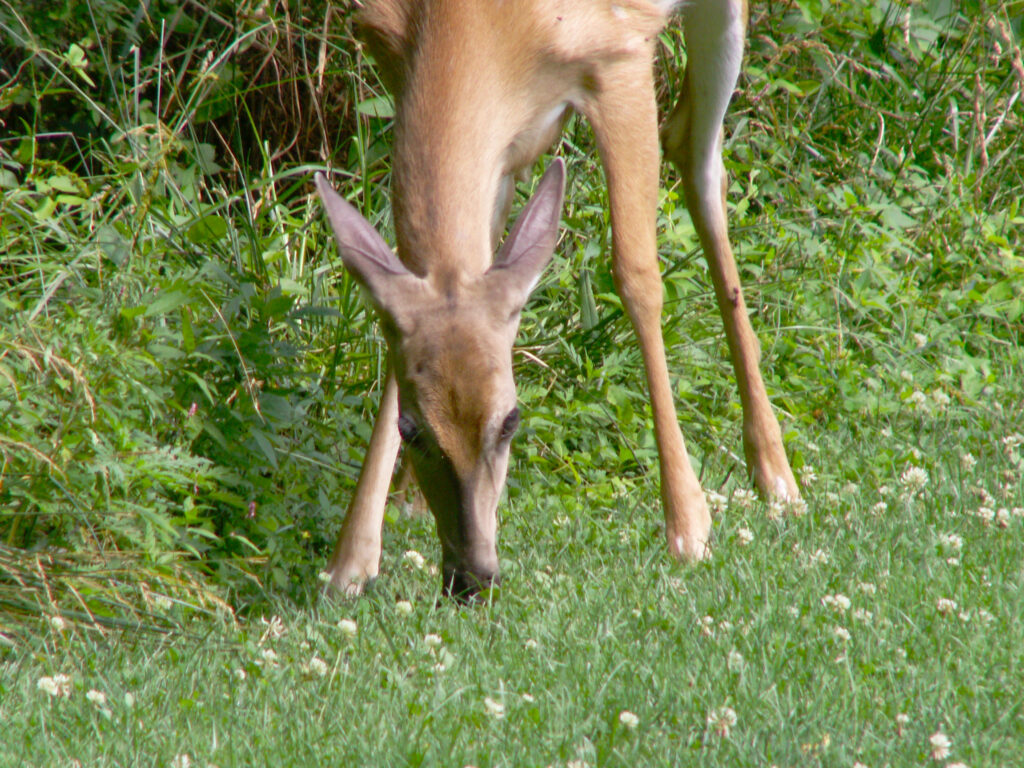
pixel 187 380
pixel 592 620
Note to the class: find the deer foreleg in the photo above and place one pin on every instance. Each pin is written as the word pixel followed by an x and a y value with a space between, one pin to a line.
pixel 356 557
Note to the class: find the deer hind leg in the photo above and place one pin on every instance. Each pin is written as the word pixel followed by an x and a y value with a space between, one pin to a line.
pixel 624 118
pixel 356 557
pixel 692 138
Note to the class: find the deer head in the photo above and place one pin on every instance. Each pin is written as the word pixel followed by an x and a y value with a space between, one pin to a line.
pixel 450 346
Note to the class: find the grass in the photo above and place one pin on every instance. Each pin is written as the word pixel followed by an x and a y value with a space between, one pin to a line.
pixel 187 380
pixel 593 621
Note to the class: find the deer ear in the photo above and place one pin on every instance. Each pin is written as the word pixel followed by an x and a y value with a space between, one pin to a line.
pixel 531 243
pixel 364 252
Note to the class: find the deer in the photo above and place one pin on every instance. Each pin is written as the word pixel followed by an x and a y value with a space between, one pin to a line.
pixel 481 90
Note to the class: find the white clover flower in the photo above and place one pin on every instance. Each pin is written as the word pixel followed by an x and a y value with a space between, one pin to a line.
pixel 919 339
pixel 129 699
pixel 316 667
pixel 1003 517
pixel 842 633
pixel 414 558
pixel 867 587
pixel 239 673
pixel 945 606
pixel 324 577
pixel 744 536
pixel 528 698
pixel 950 542
pixel 818 557
pixel 494 708
pixel 985 514
pixel 163 602
pixel 837 602
pixel 808 476
pixel 914 479
pixel 348 627
pixel 433 641
pixel 940 398
pixel 796 507
pixel 96 697
pixel 967 462
pixel 941 745
pixel 735 661
pixel 879 508
pixel 403 607
pixel 628 719
pixel 531 644
pixel 745 498
pixel 918 401
pixel 58 623
pixel 775 509
pixel 269 655
pixel 58 686
pixel 722 720
pixel 861 614
pixel 183 760
pixel 716 502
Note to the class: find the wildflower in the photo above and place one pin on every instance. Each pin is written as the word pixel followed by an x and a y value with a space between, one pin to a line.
pixel 775 509
pixel 861 614
pixel 808 476
pixel 940 398
pixel 867 587
pixel 744 536
pixel 950 542
pixel 530 644
pixel 920 339
pixel 735 660
pixel 269 656
pixel 879 508
pixel 985 514
pixel 967 462
pixel 716 502
pixel 628 719
pixel 96 697
pixel 494 708
pixel 433 641
pixel 918 401
pixel 707 625
pixel 1003 517
pixel 842 633
pixel 324 577
pixel 744 498
pixel 129 699
pixel 163 602
pixel 274 628
pixel 818 557
pixel 940 745
pixel 838 603
pixel 414 558
pixel 58 623
pixel 722 720
pixel 252 509
pixel 182 761
pixel 316 667
pixel 58 686
pixel 797 507
pixel 239 674
pixel 348 627
pixel 914 479
pixel 945 606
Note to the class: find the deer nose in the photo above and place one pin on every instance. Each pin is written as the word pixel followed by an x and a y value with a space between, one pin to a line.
pixel 466 585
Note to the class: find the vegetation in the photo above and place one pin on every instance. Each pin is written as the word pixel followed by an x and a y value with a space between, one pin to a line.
pixel 187 383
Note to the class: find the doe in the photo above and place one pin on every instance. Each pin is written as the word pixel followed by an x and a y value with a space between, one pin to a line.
pixel 481 88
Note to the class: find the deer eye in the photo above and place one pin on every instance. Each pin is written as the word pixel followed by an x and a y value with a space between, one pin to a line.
pixel 408 429
pixel 510 424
